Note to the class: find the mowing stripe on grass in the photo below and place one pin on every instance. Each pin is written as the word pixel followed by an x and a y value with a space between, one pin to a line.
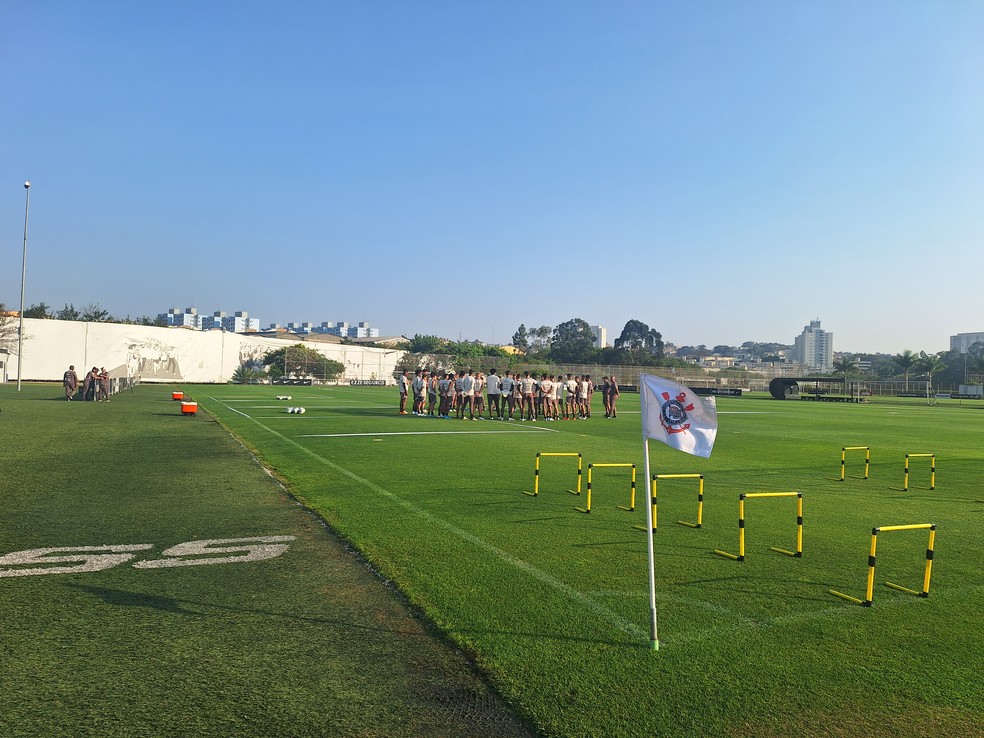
pixel 612 618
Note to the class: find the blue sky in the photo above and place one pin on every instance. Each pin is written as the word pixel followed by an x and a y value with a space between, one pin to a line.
pixel 721 171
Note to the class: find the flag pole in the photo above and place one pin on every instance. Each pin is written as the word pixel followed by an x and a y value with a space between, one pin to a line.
pixel 653 638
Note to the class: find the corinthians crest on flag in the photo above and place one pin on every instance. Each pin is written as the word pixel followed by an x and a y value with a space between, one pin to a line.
pixel 673 414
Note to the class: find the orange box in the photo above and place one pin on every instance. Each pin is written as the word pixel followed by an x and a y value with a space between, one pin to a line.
pixel 177 395
pixel 188 407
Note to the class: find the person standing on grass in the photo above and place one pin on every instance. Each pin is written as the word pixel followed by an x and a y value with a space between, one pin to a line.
pixel 613 394
pixel 582 397
pixel 494 385
pixel 506 389
pixel 528 388
pixel 419 386
pixel 71 382
pixel 591 389
pixel 102 385
pixel 88 384
pixel 546 392
pixel 571 407
pixel 479 403
pixel 404 384
pixel 605 388
pixel 518 395
pixel 445 389
pixel 432 393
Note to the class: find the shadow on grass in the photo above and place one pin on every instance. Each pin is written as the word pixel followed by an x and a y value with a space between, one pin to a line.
pixel 124 598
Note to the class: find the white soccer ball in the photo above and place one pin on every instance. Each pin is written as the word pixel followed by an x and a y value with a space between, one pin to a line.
pixel 301 410
pixel 288 397
pixel 291 409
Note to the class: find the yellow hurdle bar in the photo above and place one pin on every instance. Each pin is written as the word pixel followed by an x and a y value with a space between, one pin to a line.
pixel 867 459
pixel 536 472
pixel 870 584
pixel 631 508
pixel 700 498
pixel 932 469
pixel 798 553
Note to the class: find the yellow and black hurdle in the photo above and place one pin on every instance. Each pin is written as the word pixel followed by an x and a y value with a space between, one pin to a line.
pixel 932 469
pixel 870 589
pixel 700 498
pixel 798 553
pixel 630 508
pixel 867 459
pixel 536 472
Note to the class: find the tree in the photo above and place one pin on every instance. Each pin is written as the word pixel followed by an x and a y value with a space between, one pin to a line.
pixel 639 344
pixel 520 340
pixel 905 361
pixel 930 364
pixel 68 313
pixel 540 337
pixel 573 342
pixel 247 374
pixel 723 350
pixel 700 351
pixel 977 366
pixel 426 344
pixel 8 330
pixel 41 310
pixel 301 362
pixel 94 313
pixel 844 366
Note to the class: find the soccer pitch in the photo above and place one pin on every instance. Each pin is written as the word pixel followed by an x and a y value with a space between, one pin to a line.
pixel 552 603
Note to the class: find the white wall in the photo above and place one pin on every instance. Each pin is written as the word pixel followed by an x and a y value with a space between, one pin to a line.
pixel 168 354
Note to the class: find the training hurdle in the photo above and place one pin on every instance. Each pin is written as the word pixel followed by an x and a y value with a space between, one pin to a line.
pixel 700 499
pixel 536 472
pixel 798 553
pixel 630 508
pixel 867 459
pixel 932 470
pixel 870 590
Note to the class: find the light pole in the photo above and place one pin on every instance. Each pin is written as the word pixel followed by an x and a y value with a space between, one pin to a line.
pixel 20 327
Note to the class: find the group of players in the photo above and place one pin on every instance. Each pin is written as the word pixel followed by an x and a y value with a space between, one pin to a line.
pixel 550 397
pixel 94 387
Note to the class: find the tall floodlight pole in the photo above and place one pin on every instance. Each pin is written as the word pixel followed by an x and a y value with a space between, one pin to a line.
pixel 20 327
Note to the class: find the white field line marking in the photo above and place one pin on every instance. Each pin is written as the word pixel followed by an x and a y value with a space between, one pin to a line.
pixel 425 433
pixel 720 412
pixel 626 626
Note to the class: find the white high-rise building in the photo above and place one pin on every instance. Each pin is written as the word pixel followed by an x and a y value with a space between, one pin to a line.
pixel 963 341
pixel 187 318
pixel 601 335
pixel 814 348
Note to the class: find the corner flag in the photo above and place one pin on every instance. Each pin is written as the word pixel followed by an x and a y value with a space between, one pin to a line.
pixel 674 415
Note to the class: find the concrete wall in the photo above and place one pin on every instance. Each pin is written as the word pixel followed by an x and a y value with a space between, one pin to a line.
pixel 168 354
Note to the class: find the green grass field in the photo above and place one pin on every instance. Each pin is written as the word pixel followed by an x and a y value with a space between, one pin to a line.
pixel 306 643
pixel 550 603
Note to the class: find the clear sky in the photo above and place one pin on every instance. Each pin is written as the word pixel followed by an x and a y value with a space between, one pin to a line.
pixel 721 171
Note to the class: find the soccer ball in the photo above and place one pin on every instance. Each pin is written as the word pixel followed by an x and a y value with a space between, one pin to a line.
pixel 291 409
pixel 301 410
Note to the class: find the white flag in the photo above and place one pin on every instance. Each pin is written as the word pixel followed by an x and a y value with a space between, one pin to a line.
pixel 673 414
